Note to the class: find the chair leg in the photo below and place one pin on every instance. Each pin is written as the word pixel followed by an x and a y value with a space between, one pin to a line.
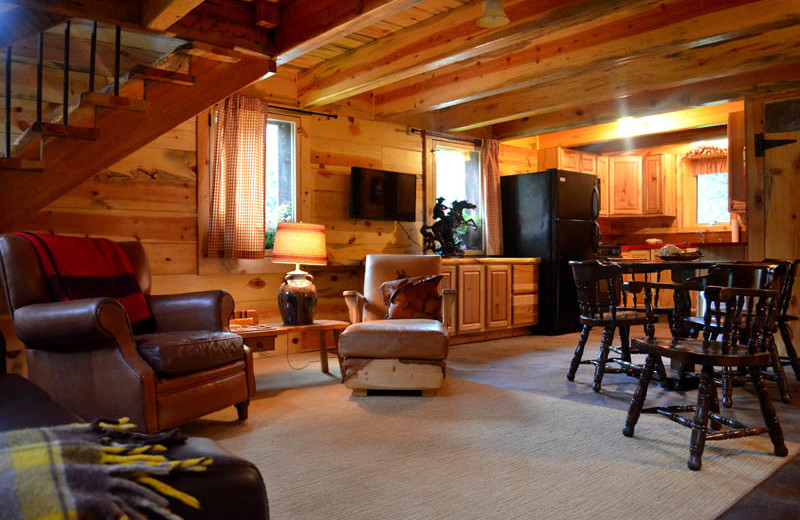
pixel 639 395
pixel 576 358
pixel 768 412
pixel 713 401
pixel 602 359
pixel 662 373
pixel 727 386
pixel 700 427
pixel 777 367
pixel 791 353
pixel 241 409
pixel 625 342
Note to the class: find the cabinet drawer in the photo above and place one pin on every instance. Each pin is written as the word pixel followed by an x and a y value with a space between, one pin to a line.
pixel 524 309
pixel 524 278
pixel 258 344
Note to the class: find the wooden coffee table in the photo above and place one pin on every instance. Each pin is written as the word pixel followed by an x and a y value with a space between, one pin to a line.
pixel 262 337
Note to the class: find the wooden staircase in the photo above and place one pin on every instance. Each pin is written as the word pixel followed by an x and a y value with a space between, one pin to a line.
pixel 50 159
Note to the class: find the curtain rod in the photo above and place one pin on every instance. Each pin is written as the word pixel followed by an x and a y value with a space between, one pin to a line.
pixel 446 136
pixel 307 112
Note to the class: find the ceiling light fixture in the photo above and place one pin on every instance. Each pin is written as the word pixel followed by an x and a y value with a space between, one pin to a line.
pixel 493 14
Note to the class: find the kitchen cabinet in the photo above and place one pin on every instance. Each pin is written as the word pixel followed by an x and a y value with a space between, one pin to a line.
pixel 498 292
pixel 567 159
pixel 625 185
pixel 524 294
pixel 602 175
pixel 659 184
pixel 449 282
pixel 471 300
pixel 497 297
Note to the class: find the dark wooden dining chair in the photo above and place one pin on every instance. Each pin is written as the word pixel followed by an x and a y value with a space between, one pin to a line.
pixel 599 288
pixel 744 311
pixel 755 275
pixel 783 318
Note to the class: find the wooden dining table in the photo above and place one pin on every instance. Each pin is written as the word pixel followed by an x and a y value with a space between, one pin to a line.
pixel 680 271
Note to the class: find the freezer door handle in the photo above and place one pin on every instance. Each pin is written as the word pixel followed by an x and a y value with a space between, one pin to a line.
pixel 596 199
pixel 596 237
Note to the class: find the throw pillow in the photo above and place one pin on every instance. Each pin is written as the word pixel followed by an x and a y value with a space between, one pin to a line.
pixel 416 297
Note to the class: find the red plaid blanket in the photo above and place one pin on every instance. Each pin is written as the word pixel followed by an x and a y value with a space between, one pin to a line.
pixel 78 268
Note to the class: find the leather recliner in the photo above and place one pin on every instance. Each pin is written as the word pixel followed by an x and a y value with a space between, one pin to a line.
pixel 393 354
pixel 85 355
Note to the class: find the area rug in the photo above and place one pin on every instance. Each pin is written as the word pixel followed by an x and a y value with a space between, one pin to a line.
pixel 478 452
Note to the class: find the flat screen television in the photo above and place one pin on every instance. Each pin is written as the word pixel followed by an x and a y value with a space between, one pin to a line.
pixel 382 195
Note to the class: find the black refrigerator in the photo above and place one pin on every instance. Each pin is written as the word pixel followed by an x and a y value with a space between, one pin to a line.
pixel 552 215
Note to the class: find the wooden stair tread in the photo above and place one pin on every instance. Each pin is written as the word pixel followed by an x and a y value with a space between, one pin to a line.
pixel 32 136
pixel 161 75
pixel 15 163
pixel 97 99
pixel 210 52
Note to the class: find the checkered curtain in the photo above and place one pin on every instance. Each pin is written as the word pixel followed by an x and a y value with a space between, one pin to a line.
pixel 490 167
pixel 237 222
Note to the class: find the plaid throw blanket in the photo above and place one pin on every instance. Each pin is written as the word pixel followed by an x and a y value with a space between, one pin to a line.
pixel 89 471
pixel 78 268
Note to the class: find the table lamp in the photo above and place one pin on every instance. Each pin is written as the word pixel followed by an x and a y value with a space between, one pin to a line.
pixel 298 243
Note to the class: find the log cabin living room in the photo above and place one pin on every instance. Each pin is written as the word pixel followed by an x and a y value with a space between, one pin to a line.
pixel 290 259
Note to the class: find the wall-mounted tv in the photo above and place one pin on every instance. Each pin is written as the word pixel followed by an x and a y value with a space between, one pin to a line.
pixel 382 195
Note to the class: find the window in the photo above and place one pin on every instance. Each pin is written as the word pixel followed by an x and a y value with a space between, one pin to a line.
pixel 280 185
pixel 458 177
pixel 712 198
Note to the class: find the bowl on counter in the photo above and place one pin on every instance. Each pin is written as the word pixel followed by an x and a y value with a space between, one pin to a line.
pixel 681 257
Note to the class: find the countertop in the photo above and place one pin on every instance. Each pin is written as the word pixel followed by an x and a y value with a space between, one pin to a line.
pixel 685 245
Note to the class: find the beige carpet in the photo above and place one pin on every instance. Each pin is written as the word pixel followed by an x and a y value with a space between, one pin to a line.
pixel 478 452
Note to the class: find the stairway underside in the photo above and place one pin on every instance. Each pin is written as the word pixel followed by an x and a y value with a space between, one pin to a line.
pixel 120 131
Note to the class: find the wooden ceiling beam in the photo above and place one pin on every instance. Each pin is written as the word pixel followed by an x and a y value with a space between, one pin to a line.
pixel 713 115
pixel 612 78
pixel 19 22
pixel 737 86
pixel 226 24
pixel 158 15
pixel 307 25
pixel 651 141
pixel 444 39
pixel 669 27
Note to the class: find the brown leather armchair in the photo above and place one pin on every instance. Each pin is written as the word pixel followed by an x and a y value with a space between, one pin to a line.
pixel 397 354
pixel 85 355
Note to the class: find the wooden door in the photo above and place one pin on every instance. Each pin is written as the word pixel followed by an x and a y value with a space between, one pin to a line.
pixel 773 179
pixel 625 184
pixel 498 292
pixel 652 185
pixel 471 299
pixel 602 174
pixel 449 282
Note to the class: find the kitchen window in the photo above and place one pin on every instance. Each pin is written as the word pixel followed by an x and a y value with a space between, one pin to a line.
pixel 712 199
pixel 457 173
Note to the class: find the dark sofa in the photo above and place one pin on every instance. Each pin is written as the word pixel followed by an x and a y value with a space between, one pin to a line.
pixel 230 488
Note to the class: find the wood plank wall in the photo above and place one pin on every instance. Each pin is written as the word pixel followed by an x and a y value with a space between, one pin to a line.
pixel 151 196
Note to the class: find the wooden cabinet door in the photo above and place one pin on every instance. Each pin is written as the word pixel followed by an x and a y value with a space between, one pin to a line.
pixel 588 163
pixel 449 282
pixel 652 185
pixel 625 184
pixel 471 298
pixel 570 160
pixel 498 292
pixel 602 174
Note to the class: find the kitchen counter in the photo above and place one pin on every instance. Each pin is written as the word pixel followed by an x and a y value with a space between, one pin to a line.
pixel 685 245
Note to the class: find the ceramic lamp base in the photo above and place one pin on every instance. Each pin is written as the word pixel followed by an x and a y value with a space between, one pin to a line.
pixel 297 298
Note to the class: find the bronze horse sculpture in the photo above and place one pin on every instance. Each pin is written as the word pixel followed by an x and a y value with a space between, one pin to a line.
pixel 441 236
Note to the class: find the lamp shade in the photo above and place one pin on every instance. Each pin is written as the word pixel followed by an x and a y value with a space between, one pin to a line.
pixel 299 243
pixel 493 14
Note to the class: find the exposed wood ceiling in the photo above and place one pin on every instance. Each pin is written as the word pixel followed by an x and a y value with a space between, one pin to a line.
pixel 558 64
